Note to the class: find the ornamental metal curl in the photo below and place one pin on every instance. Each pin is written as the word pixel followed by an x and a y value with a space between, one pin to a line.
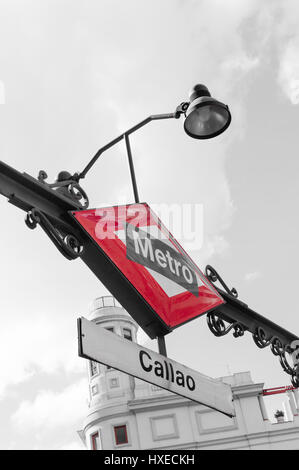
pixel 213 277
pixel 73 244
pixel 261 340
pixel 218 327
pixel 239 329
pixel 77 193
pixel 295 377
pixel 68 186
pixel 276 346
pixel 32 219
pixel 285 365
pixel 67 244
pixel 294 351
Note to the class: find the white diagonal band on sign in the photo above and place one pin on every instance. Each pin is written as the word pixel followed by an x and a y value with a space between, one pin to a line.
pixel 170 287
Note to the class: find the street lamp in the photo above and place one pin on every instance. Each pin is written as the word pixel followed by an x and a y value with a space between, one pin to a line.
pixel 205 118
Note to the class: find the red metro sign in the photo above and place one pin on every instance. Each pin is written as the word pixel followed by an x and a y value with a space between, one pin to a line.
pixel 164 278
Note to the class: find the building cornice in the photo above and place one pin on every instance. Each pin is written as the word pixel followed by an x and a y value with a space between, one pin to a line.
pixel 154 403
pixel 103 414
pixel 247 390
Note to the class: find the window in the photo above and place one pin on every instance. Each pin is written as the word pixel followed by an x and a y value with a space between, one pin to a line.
pixel 93 368
pixel 95 441
pixel 127 334
pixel 121 436
pixel 110 328
pixel 108 301
pixel 114 383
pixel 94 390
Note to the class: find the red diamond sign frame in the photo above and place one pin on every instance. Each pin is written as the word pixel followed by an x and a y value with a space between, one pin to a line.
pixel 161 273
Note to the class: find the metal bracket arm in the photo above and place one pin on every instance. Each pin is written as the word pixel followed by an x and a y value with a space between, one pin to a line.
pixel 236 315
pixel 181 109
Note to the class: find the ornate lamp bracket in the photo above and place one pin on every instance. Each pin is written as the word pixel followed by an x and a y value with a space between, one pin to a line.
pixel 237 316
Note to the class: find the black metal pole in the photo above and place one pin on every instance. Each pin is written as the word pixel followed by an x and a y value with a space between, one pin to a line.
pixel 162 345
pixel 132 171
pixel 154 117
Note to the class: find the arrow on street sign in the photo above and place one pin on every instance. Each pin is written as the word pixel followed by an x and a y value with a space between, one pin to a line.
pixel 100 345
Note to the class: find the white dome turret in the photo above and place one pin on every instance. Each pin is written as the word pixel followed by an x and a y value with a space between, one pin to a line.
pixel 109 388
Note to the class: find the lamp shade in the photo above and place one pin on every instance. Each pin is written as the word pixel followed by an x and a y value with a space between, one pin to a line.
pixel 205 116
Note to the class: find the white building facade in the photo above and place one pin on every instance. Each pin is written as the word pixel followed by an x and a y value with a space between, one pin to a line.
pixel 130 414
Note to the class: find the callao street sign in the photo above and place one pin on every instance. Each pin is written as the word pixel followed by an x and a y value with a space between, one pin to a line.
pixel 170 288
pixel 98 344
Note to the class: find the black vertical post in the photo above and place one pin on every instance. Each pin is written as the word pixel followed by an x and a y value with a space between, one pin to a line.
pixel 132 171
pixel 162 345
pixel 161 339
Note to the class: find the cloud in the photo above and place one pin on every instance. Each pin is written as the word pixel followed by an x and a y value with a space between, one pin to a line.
pixel 240 64
pixel 288 75
pixel 50 410
pixel 35 344
pixel 217 245
pixel 252 276
pixel 285 27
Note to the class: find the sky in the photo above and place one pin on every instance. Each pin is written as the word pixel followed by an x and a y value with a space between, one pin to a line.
pixel 74 75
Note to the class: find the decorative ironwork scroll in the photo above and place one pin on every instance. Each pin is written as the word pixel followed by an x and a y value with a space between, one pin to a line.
pixel 261 340
pixel 236 315
pixel 219 328
pixel 68 186
pixel 213 277
pixel 67 244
